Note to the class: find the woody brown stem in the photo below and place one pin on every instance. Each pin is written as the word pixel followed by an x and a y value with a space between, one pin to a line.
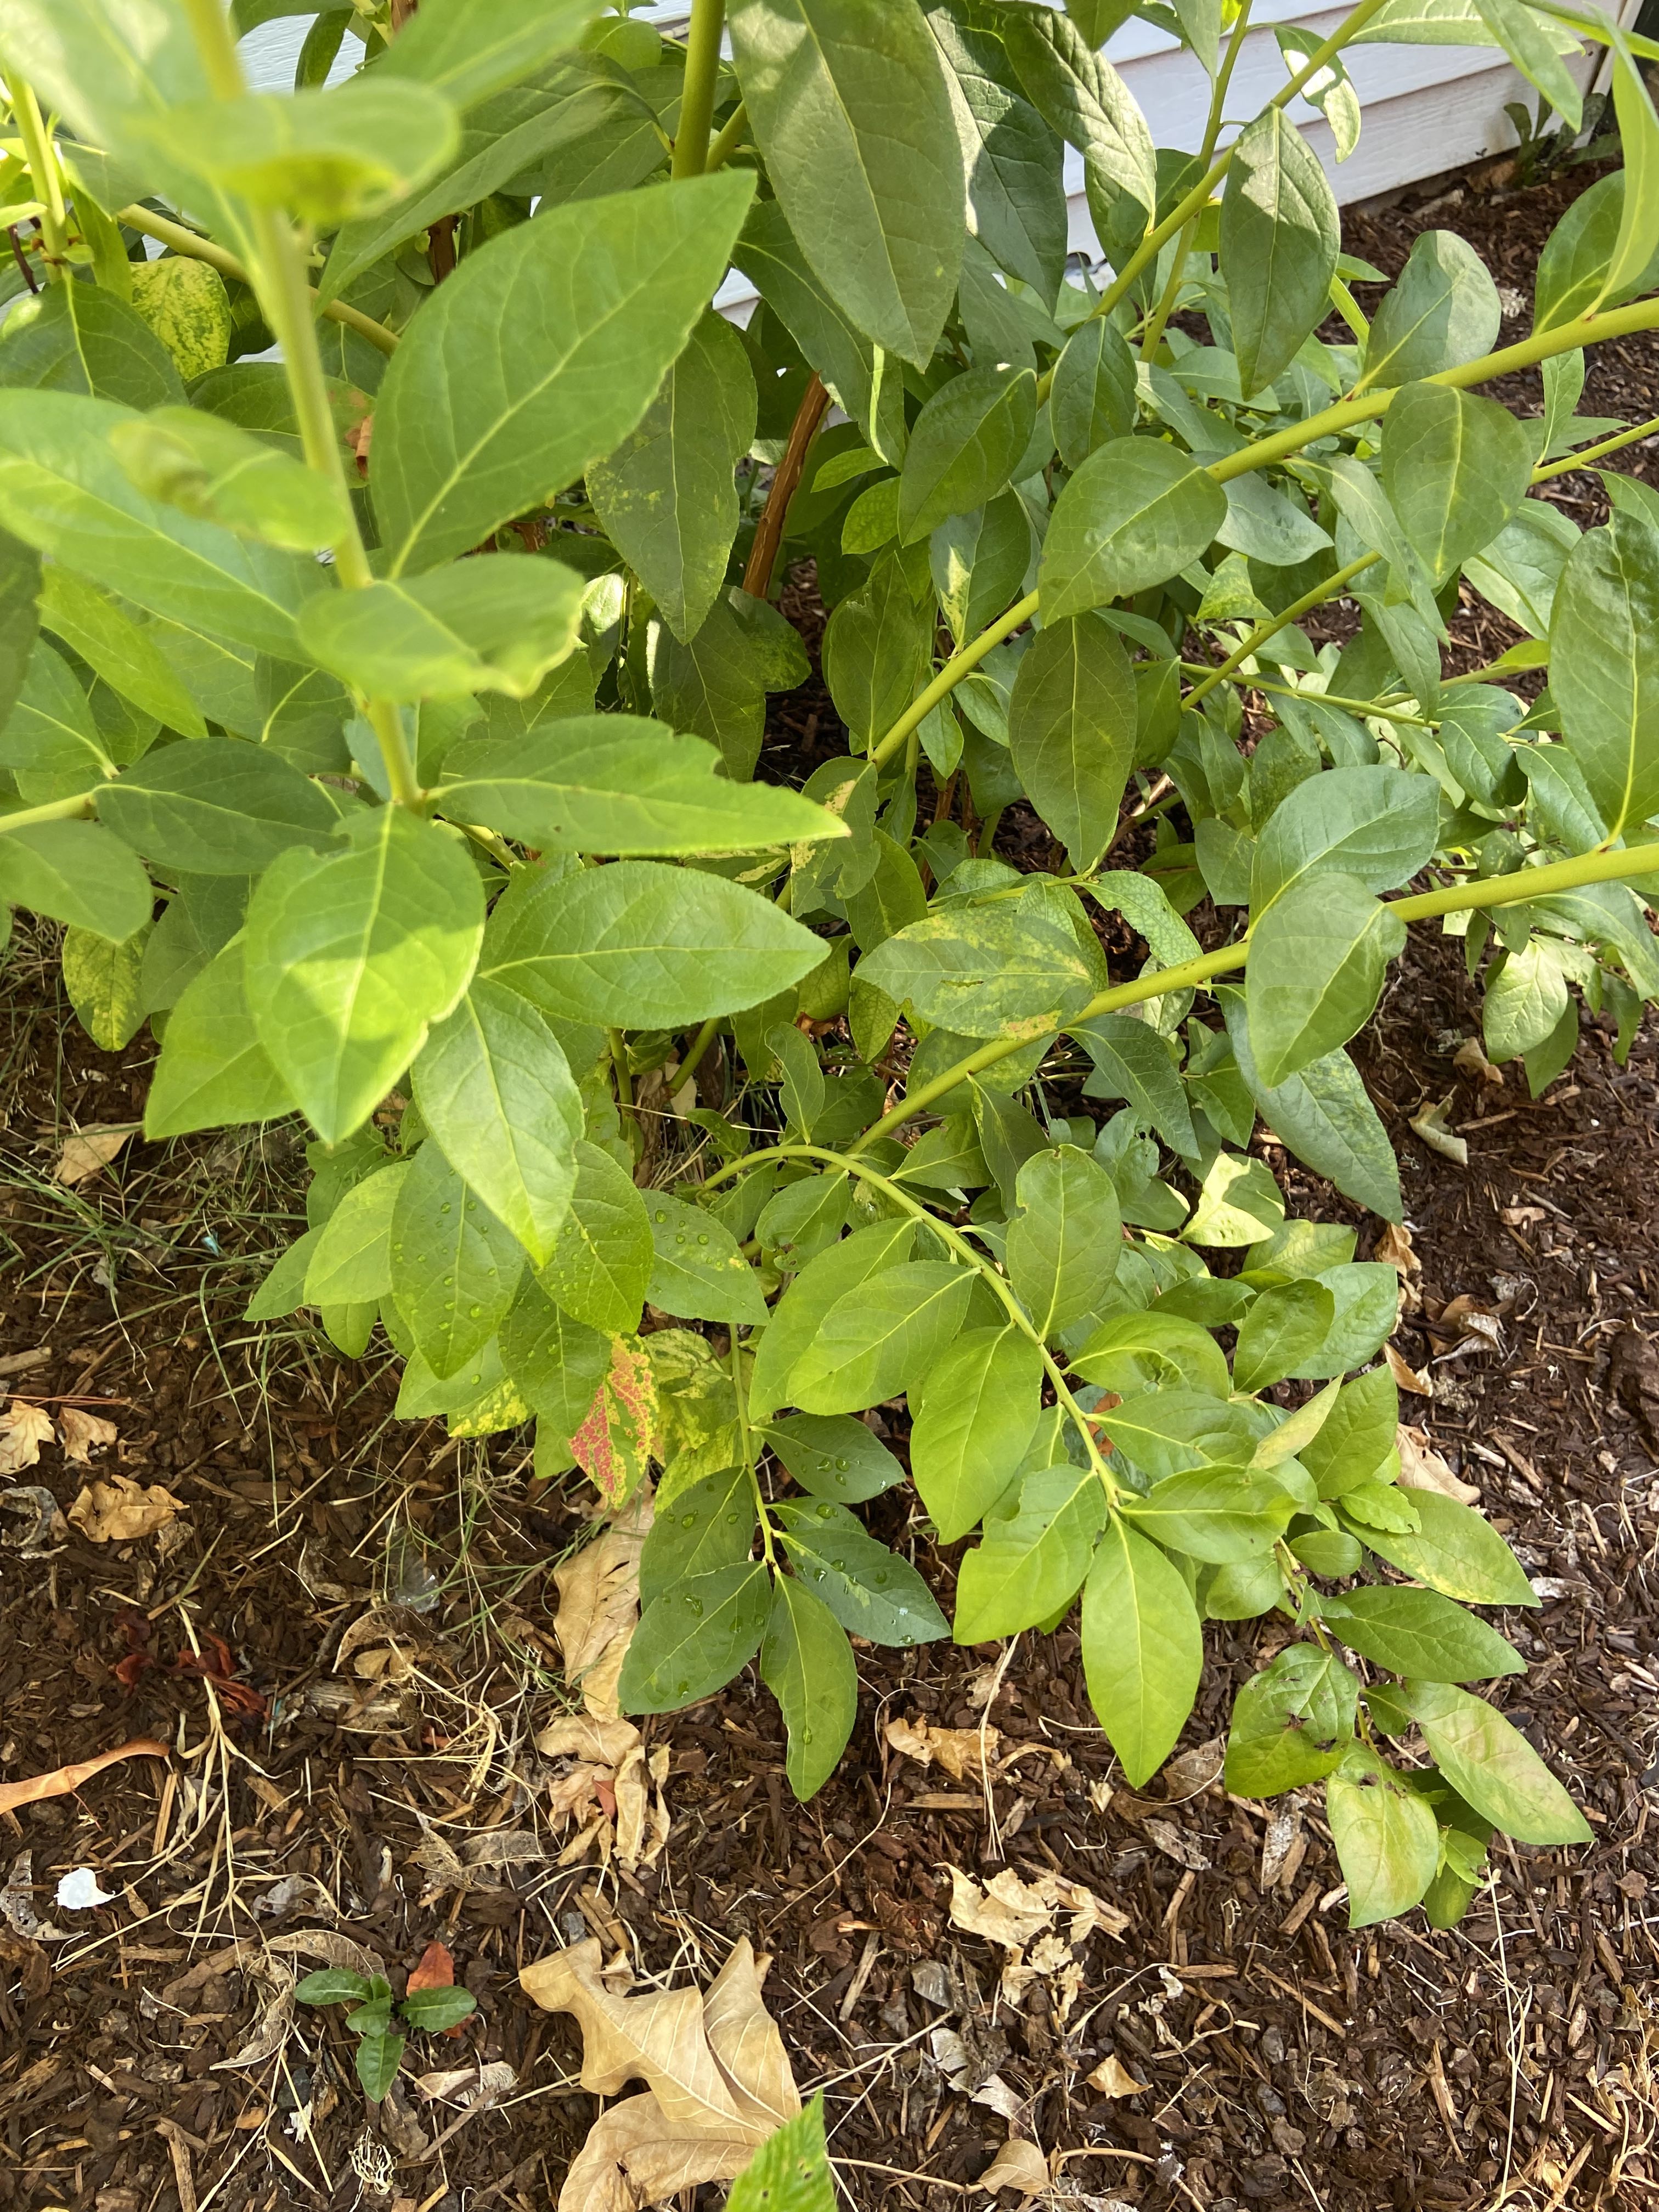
pixel 786 477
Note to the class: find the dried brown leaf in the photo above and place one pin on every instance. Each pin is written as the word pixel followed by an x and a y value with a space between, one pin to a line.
pixel 599 1606
pixel 744 2040
pixel 1421 1467
pixel 634 2156
pixel 1394 1249
pixel 1006 1911
pixel 1113 2078
pixel 90 1151
pixel 80 1434
pixel 1406 1376
pixel 23 1432
pixel 120 1510
pixel 433 1970
pixel 961 1751
pixel 584 1735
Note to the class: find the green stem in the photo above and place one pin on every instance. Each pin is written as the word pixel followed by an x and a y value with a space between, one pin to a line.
pixel 727 140
pixel 1348 307
pixel 619 1063
pixel 41 156
pixel 746 1444
pixel 699 1045
pixel 702 69
pixel 1597 867
pixel 191 244
pixel 1374 707
pixel 1195 202
pixel 1274 623
pixel 279 279
pixel 1363 407
pixel 50 810
pixel 1153 337
pixel 965 1252
pixel 959 665
pixel 1595 453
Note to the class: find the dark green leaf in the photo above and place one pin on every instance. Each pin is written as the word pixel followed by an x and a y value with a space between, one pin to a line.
pixel 833 1456
pixel 1443 311
pixel 1279 238
pixel 454 1267
pixel 871 1590
pixel 1604 668
pixel 1038 1540
pixel 1142 1651
pixel 692 1640
pixel 216 808
pixel 601 1261
pixel 1418 1632
pixel 479 626
pixel 703 1527
pixel 807 1665
pixel 1072 721
pixel 1135 513
pixel 973 1417
pixel 213 1070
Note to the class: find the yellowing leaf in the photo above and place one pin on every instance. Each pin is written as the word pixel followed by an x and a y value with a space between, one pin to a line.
pixel 613 1444
pixel 186 304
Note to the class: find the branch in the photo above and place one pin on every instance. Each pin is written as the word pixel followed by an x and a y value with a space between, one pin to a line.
pixel 786 477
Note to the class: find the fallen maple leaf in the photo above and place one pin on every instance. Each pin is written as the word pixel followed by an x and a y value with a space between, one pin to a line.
pixel 719 2079
pixel 80 1434
pixel 23 1432
pixel 961 1751
pixel 62 1780
pixel 90 1151
pixel 120 1510
pixel 599 1606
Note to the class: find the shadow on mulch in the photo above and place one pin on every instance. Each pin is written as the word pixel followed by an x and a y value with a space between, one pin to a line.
pixel 1286 2063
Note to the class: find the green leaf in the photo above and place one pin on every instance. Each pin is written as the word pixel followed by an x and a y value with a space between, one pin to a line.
pixel 1285 1330
pixel 1604 668
pixel 1073 723
pixel 1065 1239
pixel 378 2059
pixel 1325 1115
pixel 617 783
pixel 666 497
pixel 468 49
pixel 1093 394
pixel 800 1313
pixel 1574 269
pixel 558 1363
pixel 105 985
pixel 1239 1203
pixel 833 1456
pixel 1534 51
pixel 973 1417
pixel 1291 1723
pixel 1418 1632
pixel 434 2010
pixel 986 971
pixel 1637 248
pixel 693 1639
pixel 1135 513
pixel 216 808
pixel 186 305
pixel 882 1337
pixel 709 1525
pixel 455 1269
pixel 351 957
pixel 1457 1551
pixel 1525 1000
pixel 1016 174
pixel 1456 467
pixel 538 356
pixel 645 946
pixel 1168 1432
pixel 350 1262
pixel 1220 1514
pixel 698 1272
pixel 323 152
pixel 495 1091
pixel 1387 1841
pixel 790 2172
pixel 876 649
pixel 62 491
pixel 870 1591
pixel 1142 1651
pixel 807 1665
pixel 1038 1540
pixel 1132 1061
pixel 1378 825
pixel 1133 1352
pixel 80 337
pixel 480 626
pixel 978 562
pixel 1318 959
pixel 1280 238
pixel 1442 311
pixel 116 648
pixel 1490 1762
pixel 213 1071
pixel 51 742
pixel 848 102
pixel 76 872
pixel 207 467
pixel 603 1258
pixel 963 446
pixel 1356 1436
pixel 330 1985
pixel 1088 104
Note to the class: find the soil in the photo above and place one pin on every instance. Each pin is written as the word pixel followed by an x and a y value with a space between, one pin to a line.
pixel 146 2066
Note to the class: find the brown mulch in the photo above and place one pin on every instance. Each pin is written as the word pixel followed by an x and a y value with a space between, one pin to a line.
pixel 1287 2063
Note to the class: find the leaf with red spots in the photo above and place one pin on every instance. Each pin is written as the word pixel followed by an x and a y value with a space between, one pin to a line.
pixel 614 1443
